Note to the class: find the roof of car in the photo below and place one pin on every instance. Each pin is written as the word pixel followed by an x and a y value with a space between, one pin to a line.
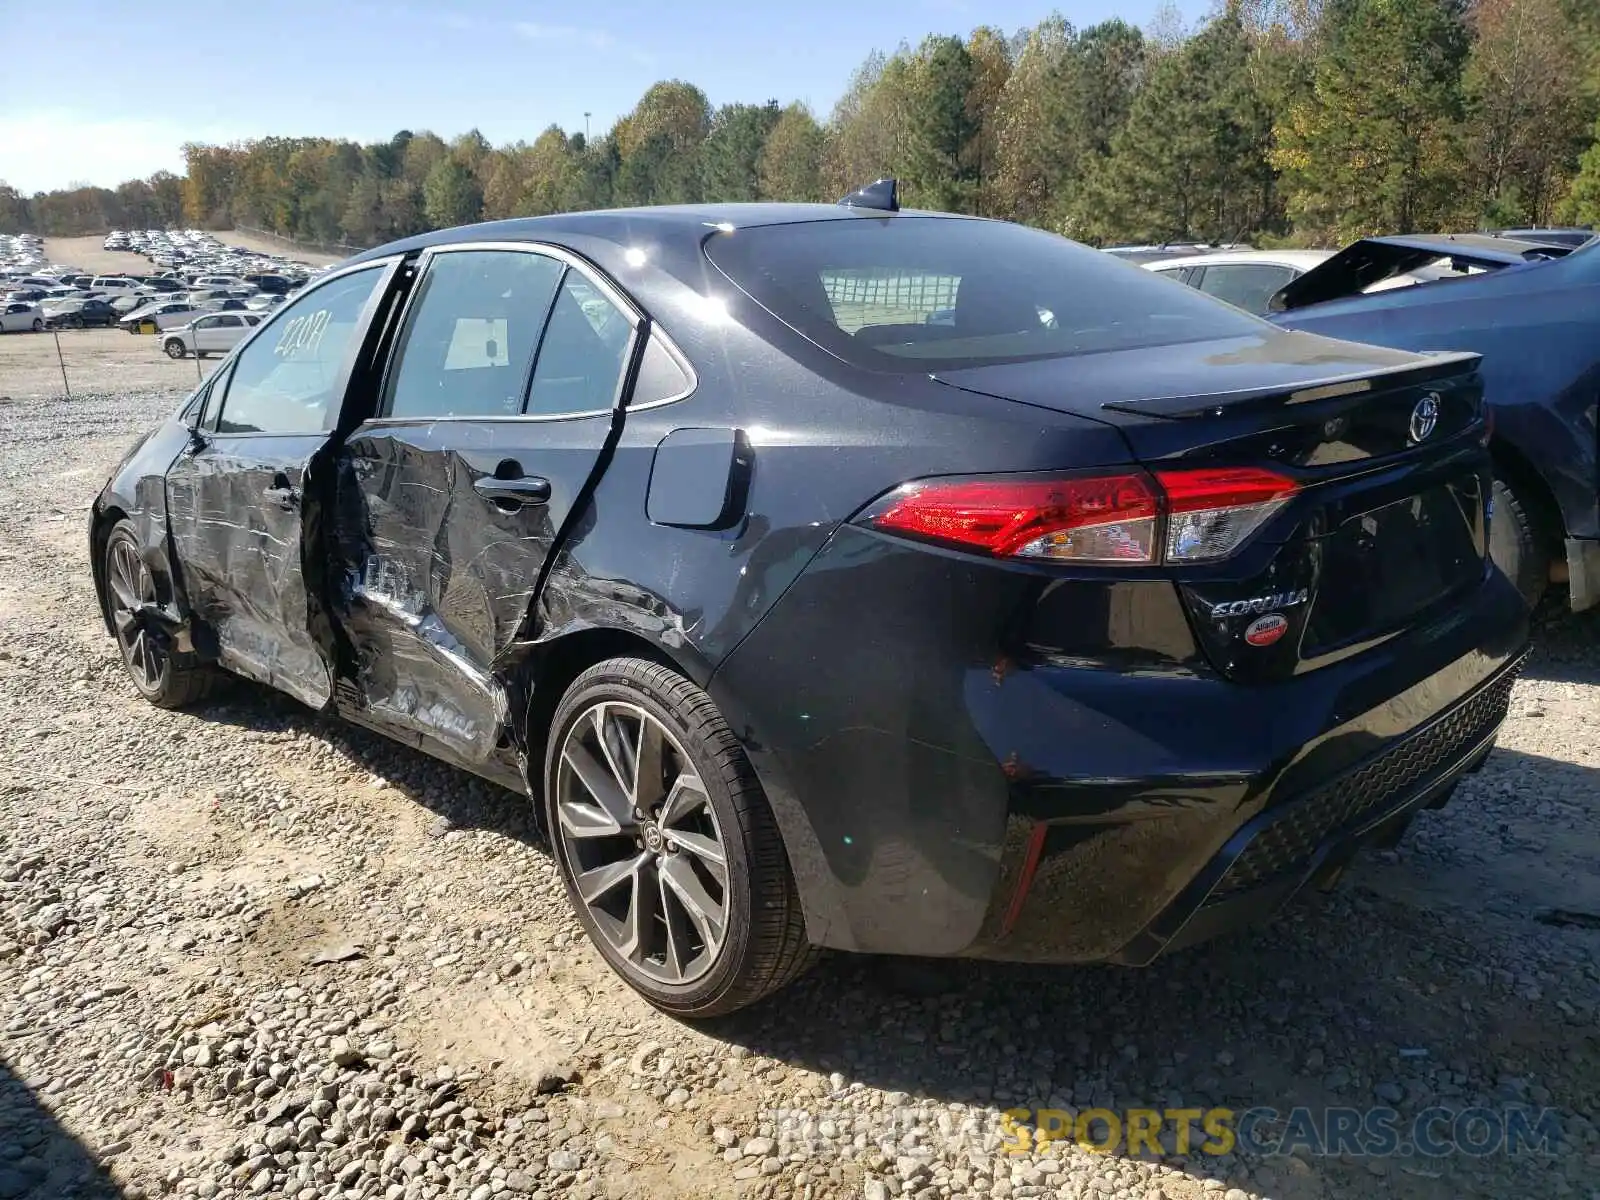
pixel 1469 245
pixel 1303 259
pixel 626 224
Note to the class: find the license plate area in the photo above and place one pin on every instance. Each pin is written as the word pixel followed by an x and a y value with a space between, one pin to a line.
pixel 1382 567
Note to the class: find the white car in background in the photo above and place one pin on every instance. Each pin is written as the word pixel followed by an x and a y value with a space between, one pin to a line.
pixel 214 333
pixel 164 314
pixel 20 317
pixel 115 285
pixel 1248 279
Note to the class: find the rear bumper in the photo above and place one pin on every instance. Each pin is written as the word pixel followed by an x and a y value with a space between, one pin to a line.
pixel 1274 855
pixel 941 794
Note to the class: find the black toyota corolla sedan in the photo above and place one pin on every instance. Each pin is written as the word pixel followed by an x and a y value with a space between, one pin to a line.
pixel 841 576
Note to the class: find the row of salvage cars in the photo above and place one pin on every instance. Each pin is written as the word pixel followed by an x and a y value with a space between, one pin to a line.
pixel 1527 300
pixel 832 576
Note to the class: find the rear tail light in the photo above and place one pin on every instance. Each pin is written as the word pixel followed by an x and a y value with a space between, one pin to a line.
pixel 1129 517
pixel 1212 510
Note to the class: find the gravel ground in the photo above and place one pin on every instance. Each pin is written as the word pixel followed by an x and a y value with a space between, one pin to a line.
pixel 31 370
pixel 247 951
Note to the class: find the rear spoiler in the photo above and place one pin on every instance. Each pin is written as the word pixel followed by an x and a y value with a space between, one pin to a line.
pixel 1420 367
pixel 1372 260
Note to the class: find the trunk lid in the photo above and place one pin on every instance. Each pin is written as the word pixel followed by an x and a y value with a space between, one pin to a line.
pixel 1390 524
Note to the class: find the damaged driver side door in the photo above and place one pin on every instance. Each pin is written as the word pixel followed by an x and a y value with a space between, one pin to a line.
pixel 500 397
pixel 235 496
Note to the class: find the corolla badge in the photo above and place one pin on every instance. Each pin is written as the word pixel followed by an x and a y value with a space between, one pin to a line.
pixel 1260 604
pixel 1425 417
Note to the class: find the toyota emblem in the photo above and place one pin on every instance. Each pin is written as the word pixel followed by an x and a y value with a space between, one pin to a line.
pixel 1425 417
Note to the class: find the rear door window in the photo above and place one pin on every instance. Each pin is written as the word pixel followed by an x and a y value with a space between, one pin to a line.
pixel 583 353
pixel 915 294
pixel 1245 285
pixel 472 335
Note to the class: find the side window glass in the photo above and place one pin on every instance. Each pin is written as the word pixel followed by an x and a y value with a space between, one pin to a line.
pixel 661 376
pixel 1246 285
pixel 211 399
pixel 583 353
pixel 473 333
pixel 285 380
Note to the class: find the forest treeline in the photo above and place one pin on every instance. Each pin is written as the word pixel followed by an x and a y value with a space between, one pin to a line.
pixel 1285 121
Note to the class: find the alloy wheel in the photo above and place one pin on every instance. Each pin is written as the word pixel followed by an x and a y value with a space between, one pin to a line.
pixel 642 842
pixel 133 595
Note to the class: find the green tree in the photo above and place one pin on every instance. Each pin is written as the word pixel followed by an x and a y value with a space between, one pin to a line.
pixel 1527 116
pixel 1374 148
pixel 673 110
pixel 730 159
pixel 1191 161
pixel 362 222
pixel 166 191
pixel 547 174
pixel 1111 63
pixel 1066 100
pixel 866 135
pixel 791 159
pixel 1037 143
pixel 991 68
pixel 1583 202
pixel 939 171
pixel 451 195
pixel 658 172
pixel 14 214
pixel 592 182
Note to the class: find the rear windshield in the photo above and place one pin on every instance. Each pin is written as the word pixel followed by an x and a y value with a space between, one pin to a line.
pixel 907 293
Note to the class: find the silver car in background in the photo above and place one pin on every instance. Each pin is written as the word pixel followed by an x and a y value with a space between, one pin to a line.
pixel 18 316
pixel 214 333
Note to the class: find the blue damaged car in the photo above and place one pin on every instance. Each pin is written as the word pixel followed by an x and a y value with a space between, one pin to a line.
pixel 1533 312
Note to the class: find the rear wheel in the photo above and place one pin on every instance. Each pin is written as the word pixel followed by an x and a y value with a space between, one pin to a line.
pixel 174 348
pixel 38 325
pixel 161 677
pixel 1517 542
pixel 666 843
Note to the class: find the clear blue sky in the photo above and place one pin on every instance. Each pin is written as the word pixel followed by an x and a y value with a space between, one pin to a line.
pixel 104 90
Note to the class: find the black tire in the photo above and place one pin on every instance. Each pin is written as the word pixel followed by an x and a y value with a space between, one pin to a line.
pixel 38 325
pixel 1517 542
pixel 174 348
pixel 764 946
pixel 74 322
pixel 158 673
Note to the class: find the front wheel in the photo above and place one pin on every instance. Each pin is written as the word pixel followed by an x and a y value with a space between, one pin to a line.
pixel 669 851
pixel 174 348
pixel 74 322
pixel 38 325
pixel 161 677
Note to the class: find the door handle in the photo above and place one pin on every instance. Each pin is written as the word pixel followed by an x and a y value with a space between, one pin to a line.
pixel 282 493
pixel 527 489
